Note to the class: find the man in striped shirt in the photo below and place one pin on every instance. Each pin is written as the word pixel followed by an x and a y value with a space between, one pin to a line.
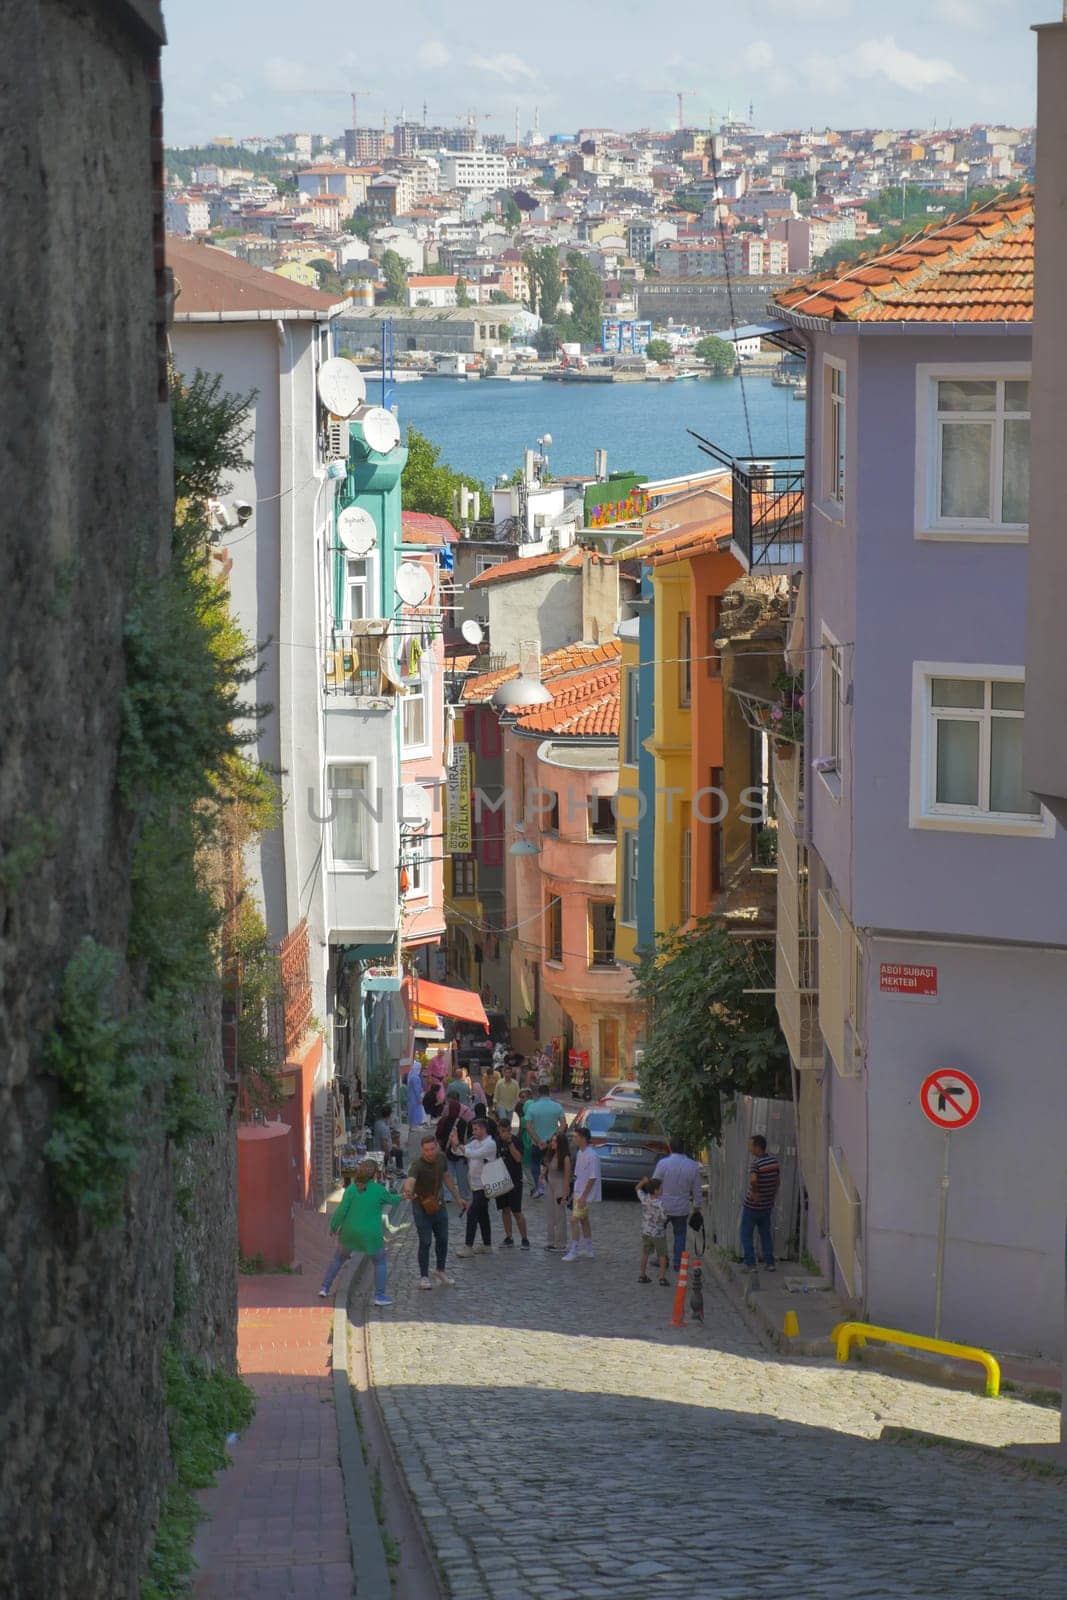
pixel 764 1177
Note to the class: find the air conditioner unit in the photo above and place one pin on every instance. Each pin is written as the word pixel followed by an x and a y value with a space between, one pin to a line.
pixel 337 441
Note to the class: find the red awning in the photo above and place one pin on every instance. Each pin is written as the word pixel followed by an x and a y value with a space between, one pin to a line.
pixel 463 1004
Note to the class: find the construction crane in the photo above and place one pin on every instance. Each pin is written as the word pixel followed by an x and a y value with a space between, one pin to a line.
pixel 352 94
pixel 679 95
pixel 472 118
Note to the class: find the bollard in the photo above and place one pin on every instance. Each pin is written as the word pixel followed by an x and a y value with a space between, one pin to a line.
pixel 790 1327
pixel 678 1317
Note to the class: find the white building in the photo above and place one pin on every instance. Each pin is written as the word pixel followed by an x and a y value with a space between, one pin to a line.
pixel 474 169
pixel 186 215
pixel 432 291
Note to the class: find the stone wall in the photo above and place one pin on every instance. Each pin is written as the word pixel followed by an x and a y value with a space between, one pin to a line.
pixel 85 1312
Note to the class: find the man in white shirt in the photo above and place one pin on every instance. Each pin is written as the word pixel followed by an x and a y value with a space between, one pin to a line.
pixel 478 1149
pixel 586 1193
pixel 680 1195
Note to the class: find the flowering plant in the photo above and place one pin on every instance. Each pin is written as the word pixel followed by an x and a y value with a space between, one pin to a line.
pixel 787 717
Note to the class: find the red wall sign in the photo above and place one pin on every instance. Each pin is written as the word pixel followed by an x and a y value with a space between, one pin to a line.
pixel 896 979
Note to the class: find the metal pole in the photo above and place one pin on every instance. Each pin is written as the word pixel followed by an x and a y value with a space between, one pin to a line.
pixel 942 1221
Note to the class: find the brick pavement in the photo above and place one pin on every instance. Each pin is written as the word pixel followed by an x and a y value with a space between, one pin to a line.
pixel 278 1526
pixel 560 1439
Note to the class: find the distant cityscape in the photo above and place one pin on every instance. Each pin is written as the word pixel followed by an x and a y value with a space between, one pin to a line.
pixel 441 219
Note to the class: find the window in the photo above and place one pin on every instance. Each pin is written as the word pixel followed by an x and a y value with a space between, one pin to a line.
pixel 464 879
pixel 629 877
pixel 712 650
pixel 554 929
pixel 416 860
pixel 602 816
pixel 971 748
pixel 357 589
pixel 602 932
pixel 833 729
pixel 414 716
pixel 348 806
pixel 687 874
pixel 981 453
pixel 834 462
pixel 483 562
pixel 716 851
pixel 632 741
pixel 550 810
pixel 685 664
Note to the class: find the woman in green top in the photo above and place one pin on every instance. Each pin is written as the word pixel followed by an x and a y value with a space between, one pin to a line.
pixel 358 1224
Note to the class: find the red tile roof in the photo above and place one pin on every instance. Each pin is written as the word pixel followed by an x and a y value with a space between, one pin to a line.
pixel 678 544
pixel 586 703
pixel 526 566
pixel 209 282
pixel 973 268
pixel 569 658
pixel 423 527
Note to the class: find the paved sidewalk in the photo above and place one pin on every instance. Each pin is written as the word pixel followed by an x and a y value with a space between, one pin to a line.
pixel 278 1528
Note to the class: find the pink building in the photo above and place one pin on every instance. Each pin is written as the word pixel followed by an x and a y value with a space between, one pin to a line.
pixel 561 770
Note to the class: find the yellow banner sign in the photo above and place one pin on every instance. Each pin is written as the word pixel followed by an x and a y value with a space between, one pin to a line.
pixel 458 802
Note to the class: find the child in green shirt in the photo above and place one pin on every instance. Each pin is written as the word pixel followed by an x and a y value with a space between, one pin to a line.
pixel 358 1225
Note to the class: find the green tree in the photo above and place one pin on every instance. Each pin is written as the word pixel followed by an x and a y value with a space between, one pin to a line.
pixel 497 297
pixel 803 188
pixel 395 271
pixel 510 212
pixel 359 225
pixel 709 1035
pixel 326 273
pixel 719 354
pixel 586 297
pixel 561 185
pixel 546 339
pixel 549 282
pixel 462 295
pixel 659 350
pixel 430 484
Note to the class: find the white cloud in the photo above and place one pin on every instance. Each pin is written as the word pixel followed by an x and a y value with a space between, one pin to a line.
pixel 503 65
pixel 433 54
pixel 758 55
pixel 289 76
pixel 963 13
pixel 883 58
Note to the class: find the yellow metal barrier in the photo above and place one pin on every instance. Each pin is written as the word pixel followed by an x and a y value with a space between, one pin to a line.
pixel 848 1333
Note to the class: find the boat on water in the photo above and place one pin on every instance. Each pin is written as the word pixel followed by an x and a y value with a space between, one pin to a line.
pixel 401 375
pixel 800 390
pixel 687 372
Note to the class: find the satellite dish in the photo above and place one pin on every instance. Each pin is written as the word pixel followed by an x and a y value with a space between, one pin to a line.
pixel 341 386
pixel 357 531
pixel 472 631
pixel 381 430
pixel 415 808
pixel 413 583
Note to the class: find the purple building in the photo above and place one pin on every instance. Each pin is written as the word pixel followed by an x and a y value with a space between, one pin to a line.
pixel 922 914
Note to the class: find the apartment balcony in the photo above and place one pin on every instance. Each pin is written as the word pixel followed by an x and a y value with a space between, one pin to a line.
pixel 768 508
pixel 352 663
pixel 586 861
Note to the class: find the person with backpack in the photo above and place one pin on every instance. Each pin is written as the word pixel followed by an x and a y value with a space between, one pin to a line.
pixel 453 1118
pixel 427 1177
pixel 510 1204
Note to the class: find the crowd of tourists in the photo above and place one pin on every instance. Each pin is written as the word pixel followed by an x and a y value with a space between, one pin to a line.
pixel 489 1145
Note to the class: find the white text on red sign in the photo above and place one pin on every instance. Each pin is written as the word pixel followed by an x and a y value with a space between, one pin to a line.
pixel 895 978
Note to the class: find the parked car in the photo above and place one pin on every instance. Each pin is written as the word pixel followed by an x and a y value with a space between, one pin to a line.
pixel 625 1093
pixel 628 1141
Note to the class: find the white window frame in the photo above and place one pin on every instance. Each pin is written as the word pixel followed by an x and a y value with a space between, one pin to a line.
pixel 629 879
pixel 929 524
pixel 417 862
pixel 924 812
pixel 369 587
pixel 834 474
pixel 369 862
pixel 831 708
pixel 417 751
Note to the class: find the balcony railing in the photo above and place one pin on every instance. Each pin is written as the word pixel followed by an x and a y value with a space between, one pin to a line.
pixel 768 506
pixel 352 664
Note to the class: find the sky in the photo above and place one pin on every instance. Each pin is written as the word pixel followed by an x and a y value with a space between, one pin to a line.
pixel 245 67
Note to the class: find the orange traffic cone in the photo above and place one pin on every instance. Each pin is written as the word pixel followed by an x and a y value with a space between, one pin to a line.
pixel 678 1316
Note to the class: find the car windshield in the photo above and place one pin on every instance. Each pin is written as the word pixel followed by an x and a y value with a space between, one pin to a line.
pixel 601 1122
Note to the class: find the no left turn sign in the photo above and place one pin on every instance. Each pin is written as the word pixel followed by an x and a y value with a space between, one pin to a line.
pixel 949 1098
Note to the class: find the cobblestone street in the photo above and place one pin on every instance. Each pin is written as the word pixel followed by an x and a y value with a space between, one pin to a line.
pixel 560 1439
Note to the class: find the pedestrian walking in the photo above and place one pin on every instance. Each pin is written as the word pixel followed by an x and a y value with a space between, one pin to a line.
pixel 453 1117
pixel 680 1195
pixel 653 1228
pixel 544 1116
pixel 437 1070
pixel 506 1095
pixel 586 1194
pixel 510 1205
pixel 490 1079
pixel 416 1111
pixel 764 1176
pixel 427 1178
pixel 459 1088
pixel 558 1172
pixel 358 1225
pixel 478 1149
